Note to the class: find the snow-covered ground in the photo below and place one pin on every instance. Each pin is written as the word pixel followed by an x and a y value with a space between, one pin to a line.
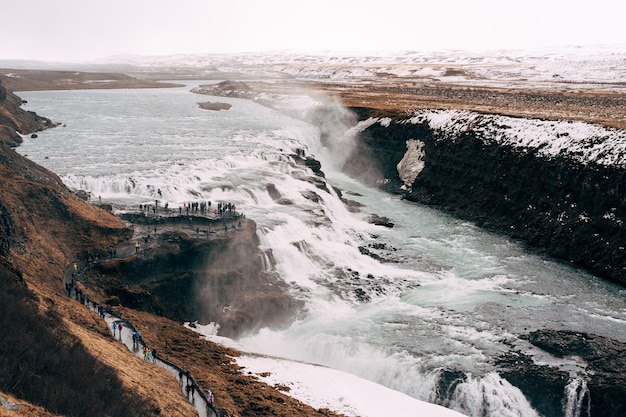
pixel 571 68
pixel 323 387
pixel 583 142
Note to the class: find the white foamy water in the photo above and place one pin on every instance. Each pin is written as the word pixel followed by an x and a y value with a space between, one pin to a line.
pixel 448 296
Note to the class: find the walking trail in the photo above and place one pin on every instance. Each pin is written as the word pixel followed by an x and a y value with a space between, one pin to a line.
pixel 197 395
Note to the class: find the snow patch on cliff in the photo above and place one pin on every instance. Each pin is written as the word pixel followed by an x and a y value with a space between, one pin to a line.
pixel 412 163
pixel 583 142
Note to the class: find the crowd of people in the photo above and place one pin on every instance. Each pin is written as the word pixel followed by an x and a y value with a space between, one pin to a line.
pixel 200 207
pixel 190 389
pixel 73 290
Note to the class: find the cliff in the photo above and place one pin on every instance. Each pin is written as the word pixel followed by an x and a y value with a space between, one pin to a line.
pixel 15 120
pixel 209 276
pixel 557 186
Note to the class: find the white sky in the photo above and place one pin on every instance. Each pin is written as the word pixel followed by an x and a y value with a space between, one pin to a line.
pixel 80 30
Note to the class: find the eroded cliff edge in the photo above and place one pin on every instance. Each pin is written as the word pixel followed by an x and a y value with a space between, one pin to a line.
pixel 557 186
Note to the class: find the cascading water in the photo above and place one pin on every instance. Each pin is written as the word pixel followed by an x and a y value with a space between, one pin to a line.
pixel 576 396
pixel 400 306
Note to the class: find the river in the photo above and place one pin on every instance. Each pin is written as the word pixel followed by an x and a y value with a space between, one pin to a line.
pixel 446 295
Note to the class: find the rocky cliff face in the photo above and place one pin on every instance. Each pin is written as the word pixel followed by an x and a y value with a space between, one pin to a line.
pixel 560 189
pixel 15 120
pixel 219 279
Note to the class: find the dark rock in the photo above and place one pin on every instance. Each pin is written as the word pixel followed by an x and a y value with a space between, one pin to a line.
pixel 82 194
pixel 314 165
pixel 361 295
pixel 380 221
pixel 576 212
pixel 544 385
pixel 311 195
pixel 221 280
pixel 369 253
pixel 273 191
pixel 216 106
pixel 284 202
pixel 447 384
pixel 7 231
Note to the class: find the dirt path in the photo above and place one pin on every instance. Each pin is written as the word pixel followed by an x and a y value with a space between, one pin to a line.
pixel 124 332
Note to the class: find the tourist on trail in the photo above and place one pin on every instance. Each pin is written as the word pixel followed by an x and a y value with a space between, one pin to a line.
pixel 147 354
pixel 180 377
pixel 119 329
pixel 153 355
pixel 188 376
pixel 136 247
pixel 114 329
pixel 188 389
pixel 136 337
pixel 210 398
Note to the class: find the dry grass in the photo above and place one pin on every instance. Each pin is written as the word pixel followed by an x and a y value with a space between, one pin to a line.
pixel 24 409
pixel 143 378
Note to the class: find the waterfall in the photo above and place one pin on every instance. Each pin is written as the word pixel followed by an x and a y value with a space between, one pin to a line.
pixel 576 398
pixel 490 396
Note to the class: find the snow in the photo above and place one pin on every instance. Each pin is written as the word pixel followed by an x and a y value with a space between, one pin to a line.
pixel 323 387
pixel 580 141
pixel 565 68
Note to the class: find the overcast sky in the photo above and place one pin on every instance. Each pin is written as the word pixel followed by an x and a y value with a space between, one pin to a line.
pixel 82 30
